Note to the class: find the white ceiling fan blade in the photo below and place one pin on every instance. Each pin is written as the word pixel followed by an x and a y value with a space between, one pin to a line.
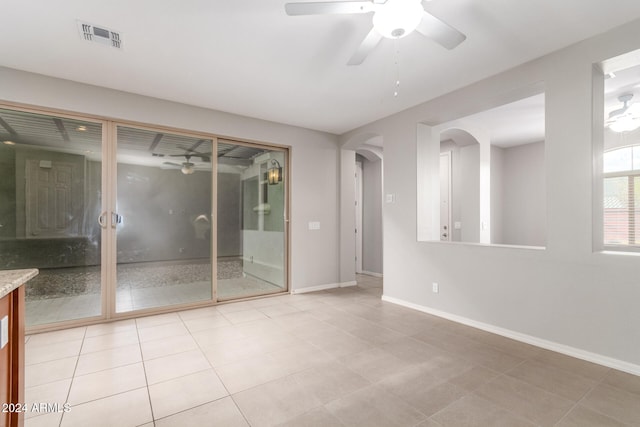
pixel 172 164
pixel 440 32
pixel 634 110
pixel 368 44
pixel 327 8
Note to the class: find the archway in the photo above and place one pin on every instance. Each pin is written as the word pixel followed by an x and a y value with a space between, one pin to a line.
pixel 361 206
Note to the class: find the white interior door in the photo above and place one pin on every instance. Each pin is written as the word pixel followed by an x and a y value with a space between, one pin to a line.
pixel 445 196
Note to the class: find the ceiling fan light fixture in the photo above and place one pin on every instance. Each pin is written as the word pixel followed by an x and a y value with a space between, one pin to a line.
pixel 625 123
pixel 187 168
pixel 397 18
pixel 625 119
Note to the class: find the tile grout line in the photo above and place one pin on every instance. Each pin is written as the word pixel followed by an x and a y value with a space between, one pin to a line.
pixel 508 410
pixel 144 368
pixel 217 375
pixel 599 383
pixel 585 394
pixel 223 384
pixel 73 376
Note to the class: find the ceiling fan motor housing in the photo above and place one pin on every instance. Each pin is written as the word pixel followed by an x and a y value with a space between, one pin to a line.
pixel 397 18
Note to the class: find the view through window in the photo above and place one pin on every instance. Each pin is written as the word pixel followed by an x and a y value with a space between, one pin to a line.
pixel 622 196
pixel 621 160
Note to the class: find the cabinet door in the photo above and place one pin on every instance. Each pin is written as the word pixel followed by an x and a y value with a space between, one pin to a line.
pixel 5 363
pixel 12 358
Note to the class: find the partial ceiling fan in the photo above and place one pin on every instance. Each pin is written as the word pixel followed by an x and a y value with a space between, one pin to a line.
pixel 187 167
pixel 392 19
pixel 626 118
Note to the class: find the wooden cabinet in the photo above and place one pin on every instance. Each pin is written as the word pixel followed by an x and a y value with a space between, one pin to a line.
pixel 12 358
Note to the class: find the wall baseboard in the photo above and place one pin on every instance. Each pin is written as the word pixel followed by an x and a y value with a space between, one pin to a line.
pixel 371 273
pixel 323 287
pixel 609 362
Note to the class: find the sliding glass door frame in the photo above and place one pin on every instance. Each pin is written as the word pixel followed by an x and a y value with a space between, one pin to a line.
pixel 111 261
pixel 104 189
pixel 112 312
pixel 108 216
pixel 286 151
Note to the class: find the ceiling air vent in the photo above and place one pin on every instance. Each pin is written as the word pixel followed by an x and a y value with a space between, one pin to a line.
pixel 100 34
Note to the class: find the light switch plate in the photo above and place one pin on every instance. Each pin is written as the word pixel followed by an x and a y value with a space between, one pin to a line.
pixel 4 331
pixel 314 225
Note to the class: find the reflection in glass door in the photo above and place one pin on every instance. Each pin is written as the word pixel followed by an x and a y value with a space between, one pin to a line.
pixel 251 222
pixel 153 211
pixel 162 219
pixel 50 209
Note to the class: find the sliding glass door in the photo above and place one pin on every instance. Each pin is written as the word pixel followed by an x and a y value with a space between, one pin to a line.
pixel 51 211
pixel 122 219
pixel 251 221
pixel 162 219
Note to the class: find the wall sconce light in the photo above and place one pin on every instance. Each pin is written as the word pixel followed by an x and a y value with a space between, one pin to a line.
pixel 274 173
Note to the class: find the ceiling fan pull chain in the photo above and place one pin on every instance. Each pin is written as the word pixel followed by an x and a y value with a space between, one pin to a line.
pixel 397 64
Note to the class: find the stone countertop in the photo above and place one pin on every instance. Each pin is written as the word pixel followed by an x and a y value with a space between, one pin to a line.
pixel 12 279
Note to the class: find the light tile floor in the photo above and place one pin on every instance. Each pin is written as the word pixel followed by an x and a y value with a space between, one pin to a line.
pixel 335 358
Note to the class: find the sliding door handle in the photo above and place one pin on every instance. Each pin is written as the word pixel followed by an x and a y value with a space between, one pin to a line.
pixel 116 219
pixel 102 219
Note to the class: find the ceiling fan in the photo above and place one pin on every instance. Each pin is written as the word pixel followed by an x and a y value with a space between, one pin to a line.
pixel 626 118
pixel 187 167
pixel 392 19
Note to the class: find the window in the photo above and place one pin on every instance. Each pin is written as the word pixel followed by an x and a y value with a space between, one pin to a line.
pixel 621 192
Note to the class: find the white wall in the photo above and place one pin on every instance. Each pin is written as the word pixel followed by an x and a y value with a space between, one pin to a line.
pixel 372 216
pixel 263 255
pixel 497 174
pixel 524 207
pixel 346 253
pixel 585 302
pixel 313 158
pixel 468 169
pixel 518 195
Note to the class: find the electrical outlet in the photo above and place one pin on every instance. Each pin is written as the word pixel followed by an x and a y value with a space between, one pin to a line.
pixel 435 287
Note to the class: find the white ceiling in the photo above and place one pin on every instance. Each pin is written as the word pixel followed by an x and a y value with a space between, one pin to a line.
pixel 248 57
